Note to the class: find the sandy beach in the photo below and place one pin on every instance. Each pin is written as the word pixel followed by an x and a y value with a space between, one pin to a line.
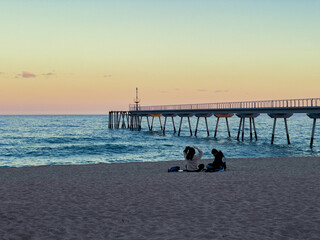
pixel 269 198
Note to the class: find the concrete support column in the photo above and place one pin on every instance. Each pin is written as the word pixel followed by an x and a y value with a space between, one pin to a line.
pixel 226 116
pixel 188 115
pixel 166 115
pixel 251 117
pixel 313 116
pixel 205 116
pixel 280 115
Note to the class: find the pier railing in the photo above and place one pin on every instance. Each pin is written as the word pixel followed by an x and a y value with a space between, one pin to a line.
pixel 287 103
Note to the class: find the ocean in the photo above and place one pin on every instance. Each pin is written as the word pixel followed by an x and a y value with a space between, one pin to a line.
pixel 35 140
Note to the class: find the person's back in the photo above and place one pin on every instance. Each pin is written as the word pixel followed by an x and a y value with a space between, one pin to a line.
pixel 219 161
pixel 192 158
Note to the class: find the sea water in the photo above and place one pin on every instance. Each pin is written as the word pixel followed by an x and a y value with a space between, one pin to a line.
pixel 86 139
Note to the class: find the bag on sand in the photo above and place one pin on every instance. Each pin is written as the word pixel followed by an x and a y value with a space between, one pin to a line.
pixel 174 169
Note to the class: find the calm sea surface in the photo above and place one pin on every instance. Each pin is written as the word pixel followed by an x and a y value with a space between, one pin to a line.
pixel 83 139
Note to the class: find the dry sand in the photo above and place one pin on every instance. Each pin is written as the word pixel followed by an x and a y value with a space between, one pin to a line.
pixel 255 199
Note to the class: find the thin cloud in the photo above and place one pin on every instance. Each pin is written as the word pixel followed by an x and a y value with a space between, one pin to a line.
pixel 107 75
pixel 221 91
pixel 28 75
pixel 164 92
pixel 48 74
pixel 202 90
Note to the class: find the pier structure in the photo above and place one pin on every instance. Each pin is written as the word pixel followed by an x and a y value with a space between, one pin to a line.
pixel 314 116
pixel 251 117
pixel 187 115
pixel 244 110
pixel 205 116
pixel 275 116
pixel 159 115
pixel 170 115
pixel 226 116
pixel 119 119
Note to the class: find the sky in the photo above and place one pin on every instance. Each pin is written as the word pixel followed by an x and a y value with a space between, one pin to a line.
pixel 88 56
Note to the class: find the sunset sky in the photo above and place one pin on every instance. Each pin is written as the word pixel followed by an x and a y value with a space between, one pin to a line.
pixel 87 57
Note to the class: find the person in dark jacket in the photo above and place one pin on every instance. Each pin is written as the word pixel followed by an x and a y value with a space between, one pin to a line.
pixel 218 163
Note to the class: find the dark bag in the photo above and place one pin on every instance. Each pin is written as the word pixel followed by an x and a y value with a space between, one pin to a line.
pixel 174 169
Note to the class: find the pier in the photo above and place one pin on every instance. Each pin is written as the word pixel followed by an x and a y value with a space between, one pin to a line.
pixel 276 109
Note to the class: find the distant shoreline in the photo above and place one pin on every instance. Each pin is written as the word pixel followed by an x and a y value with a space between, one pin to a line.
pixel 205 160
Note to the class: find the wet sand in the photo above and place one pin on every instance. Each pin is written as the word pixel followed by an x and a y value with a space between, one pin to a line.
pixel 265 198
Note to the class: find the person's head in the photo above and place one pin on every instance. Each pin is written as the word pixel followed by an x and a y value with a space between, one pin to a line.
pixel 190 152
pixel 214 151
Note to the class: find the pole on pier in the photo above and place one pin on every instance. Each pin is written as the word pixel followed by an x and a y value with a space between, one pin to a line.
pixel 137 100
pixel 274 128
pixel 313 131
pixel 285 123
pixel 216 130
pixel 180 126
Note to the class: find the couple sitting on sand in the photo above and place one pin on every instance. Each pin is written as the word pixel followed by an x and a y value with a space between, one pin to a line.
pixel 218 164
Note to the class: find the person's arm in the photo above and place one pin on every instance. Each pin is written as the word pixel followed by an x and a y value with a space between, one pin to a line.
pixel 200 154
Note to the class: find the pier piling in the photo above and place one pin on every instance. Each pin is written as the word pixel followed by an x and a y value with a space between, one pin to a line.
pixel 280 115
pixel 251 117
pixel 188 115
pixel 205 116
pixel 226 116
pixel 314 116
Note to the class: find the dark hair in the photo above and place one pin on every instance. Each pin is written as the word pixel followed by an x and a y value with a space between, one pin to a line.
pixel 190 152
pixel 214 151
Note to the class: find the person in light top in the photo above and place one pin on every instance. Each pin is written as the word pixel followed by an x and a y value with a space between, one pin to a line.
pixel 192 159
